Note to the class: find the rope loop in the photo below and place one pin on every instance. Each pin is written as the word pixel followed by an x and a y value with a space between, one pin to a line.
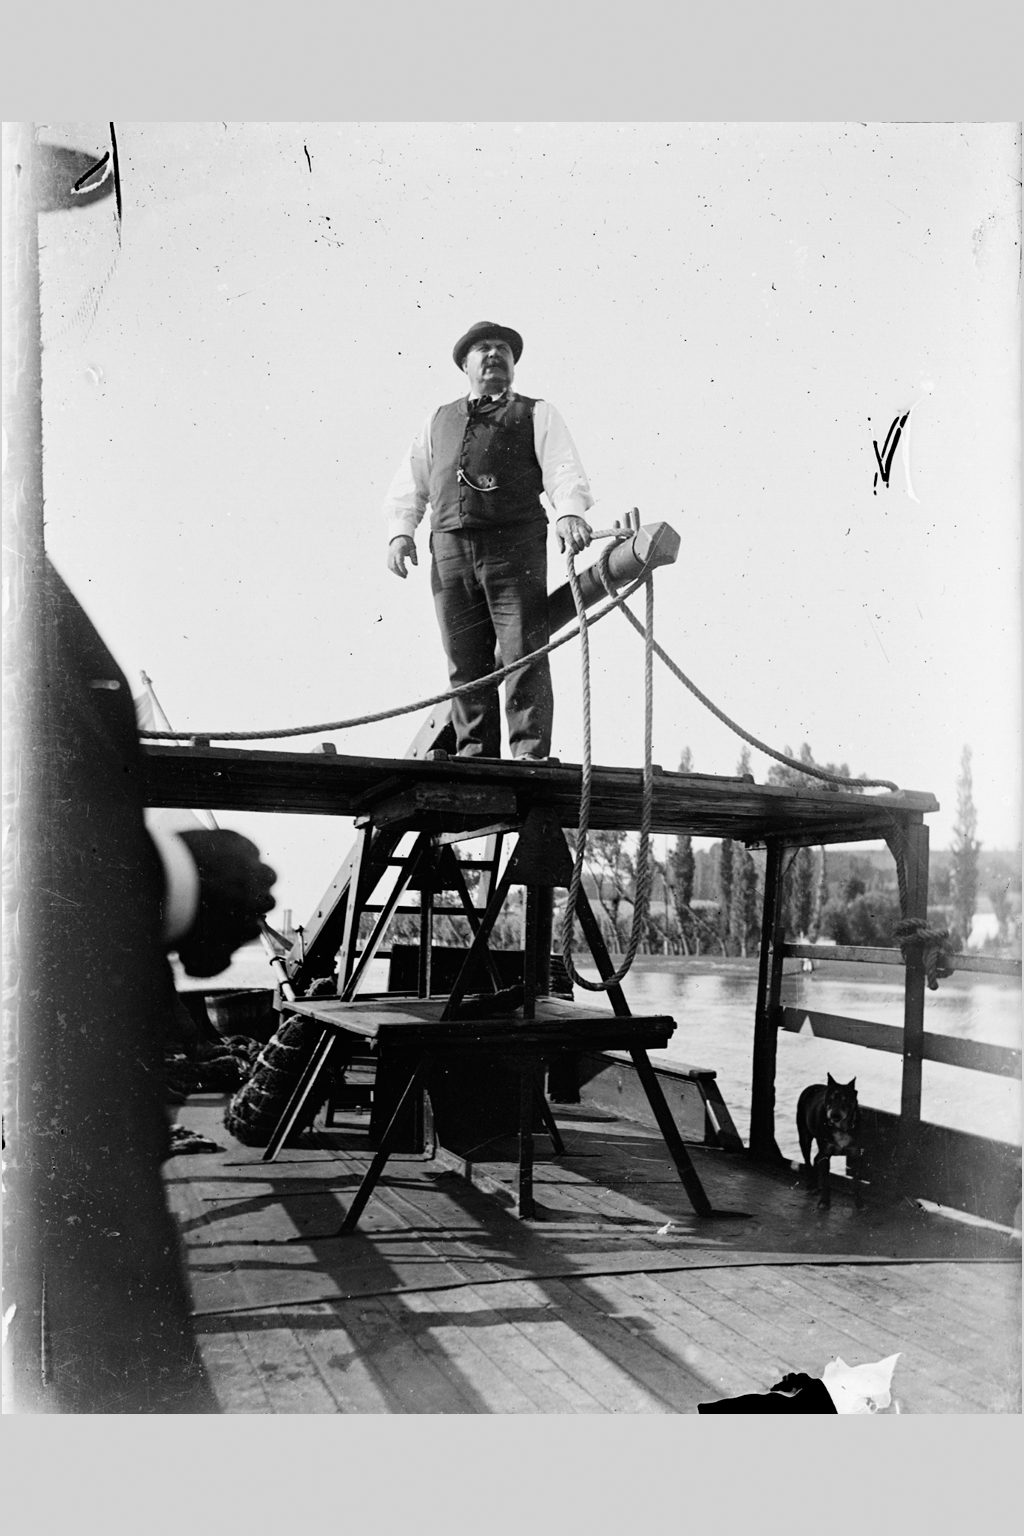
pixel 932 948
pixel 641 896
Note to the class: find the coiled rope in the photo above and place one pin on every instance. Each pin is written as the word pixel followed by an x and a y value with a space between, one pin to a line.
pixel 643 873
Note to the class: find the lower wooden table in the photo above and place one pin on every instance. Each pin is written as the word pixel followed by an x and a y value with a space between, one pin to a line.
pixel 413 1030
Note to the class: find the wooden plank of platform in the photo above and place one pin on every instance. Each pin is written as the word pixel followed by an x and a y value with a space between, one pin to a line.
pixel 313 783
pixel 558 1025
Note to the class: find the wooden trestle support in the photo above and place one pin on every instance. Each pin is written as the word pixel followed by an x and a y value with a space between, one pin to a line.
pixel 520 1029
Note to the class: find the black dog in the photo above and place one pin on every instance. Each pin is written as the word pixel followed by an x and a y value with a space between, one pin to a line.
pixel 829 1114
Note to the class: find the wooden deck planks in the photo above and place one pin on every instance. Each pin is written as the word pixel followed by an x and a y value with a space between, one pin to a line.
pixel 236 1384
pixel 868 1325
pixel 815 1330
pixel 488 1351
pixel 647 1342
pixel 499 1309
pixel 929 1308
pixel 291 1382
pixel 338 1361
pixel 622 1335
pixel 588 1370
pixel 414 1375
pixel 686 1333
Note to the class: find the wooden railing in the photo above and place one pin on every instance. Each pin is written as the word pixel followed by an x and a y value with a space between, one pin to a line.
pixel 864 955
pixel 974 1055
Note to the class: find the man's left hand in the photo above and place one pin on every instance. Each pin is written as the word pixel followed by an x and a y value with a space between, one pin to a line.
pixel 572 534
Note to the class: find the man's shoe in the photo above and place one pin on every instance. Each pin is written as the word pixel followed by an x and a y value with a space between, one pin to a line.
pixel 531 757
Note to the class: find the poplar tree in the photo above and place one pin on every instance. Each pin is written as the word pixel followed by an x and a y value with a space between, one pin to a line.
pixel 725 883
pixel 743 914
pixel 964 872
pixel 821 897
pixel 683 869
pixel 803 892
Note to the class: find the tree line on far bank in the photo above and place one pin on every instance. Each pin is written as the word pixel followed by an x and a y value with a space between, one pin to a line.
pixel 707 901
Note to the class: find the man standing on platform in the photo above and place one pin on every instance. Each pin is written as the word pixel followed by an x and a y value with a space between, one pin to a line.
pixel 481 464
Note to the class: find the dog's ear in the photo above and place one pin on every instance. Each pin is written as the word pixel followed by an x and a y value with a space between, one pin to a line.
pixel 832 1082
pixel 852 1083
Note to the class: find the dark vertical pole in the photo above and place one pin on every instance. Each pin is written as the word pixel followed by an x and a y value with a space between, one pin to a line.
pixel 526 1206
pixel 25 1025
pixel 769 987
pixel 599 949
pixel 354 907
pixel 915 845
pixel 545 924
pixel 94 1288
pixel 530 953
pixel 426 927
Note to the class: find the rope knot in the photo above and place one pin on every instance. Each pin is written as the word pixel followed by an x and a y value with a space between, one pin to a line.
pixel 930 947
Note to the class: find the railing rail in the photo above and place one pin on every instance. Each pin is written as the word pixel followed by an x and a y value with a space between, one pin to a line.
pixel 950 1050
pixel 869 955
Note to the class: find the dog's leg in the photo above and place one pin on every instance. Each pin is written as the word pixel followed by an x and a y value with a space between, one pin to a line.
pixel 805 1148
pixel 823 1165
pixel 853 1169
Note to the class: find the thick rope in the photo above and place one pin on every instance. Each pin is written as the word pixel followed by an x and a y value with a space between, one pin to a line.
pixel 810 769
pixel 402 709
pixel 932 948
pixel 643 874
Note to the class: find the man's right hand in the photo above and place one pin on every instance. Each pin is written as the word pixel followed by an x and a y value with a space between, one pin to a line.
pixel 400 550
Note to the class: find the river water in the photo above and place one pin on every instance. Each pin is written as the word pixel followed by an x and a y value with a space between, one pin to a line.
pixel 712 1003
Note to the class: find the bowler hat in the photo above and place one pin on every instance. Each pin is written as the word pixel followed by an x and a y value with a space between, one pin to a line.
pixel 481 332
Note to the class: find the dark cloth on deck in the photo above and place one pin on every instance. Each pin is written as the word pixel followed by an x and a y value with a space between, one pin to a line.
pixel 812 1396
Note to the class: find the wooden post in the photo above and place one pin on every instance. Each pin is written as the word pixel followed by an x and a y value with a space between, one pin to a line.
pixel 426 937
pixel 545 922
pixel 915 848
pixel 354 906
pixel 524 1203
pixel 26 1019
pixel 766 1017
pixel 530 943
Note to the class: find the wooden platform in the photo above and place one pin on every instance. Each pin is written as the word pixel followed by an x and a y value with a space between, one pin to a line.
pixel 318 784
pixel 418 1022
pixel 617 1300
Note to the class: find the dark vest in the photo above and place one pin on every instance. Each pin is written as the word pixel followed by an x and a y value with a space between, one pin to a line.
pixel 475 446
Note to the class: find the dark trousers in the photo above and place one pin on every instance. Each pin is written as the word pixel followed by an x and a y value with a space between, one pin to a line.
pixel 490 592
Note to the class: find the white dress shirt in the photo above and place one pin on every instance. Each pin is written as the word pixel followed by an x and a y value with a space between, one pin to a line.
pixel 565 480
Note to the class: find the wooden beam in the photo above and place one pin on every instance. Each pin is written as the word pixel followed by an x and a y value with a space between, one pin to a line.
pixel 310 783
pixel 865 954
pixel 915 848
pixel 830 1026
pixel 769 987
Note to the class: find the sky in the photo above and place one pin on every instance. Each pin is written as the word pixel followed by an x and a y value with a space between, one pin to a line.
pixel 727 316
